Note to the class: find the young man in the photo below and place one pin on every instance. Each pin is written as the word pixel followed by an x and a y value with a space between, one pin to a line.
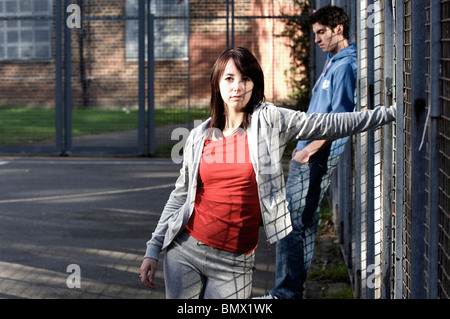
pixel 313 161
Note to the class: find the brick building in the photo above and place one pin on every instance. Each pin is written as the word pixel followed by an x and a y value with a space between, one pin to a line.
pixel 104 51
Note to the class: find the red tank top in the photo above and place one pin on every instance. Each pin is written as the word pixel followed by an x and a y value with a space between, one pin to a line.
pixel 227 212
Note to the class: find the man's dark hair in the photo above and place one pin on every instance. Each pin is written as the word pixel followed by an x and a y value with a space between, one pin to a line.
pixel 331 16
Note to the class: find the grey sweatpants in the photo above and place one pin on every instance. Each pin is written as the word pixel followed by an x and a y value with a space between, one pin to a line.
pixel 193 270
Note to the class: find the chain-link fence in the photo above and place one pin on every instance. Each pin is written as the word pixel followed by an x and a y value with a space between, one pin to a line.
pixel 97 77
pixel 392 216
pixel 118 76
pixel 27 90
pixel 439 178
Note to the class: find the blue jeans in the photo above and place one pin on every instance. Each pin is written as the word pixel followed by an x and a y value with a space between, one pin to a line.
pixel 305 188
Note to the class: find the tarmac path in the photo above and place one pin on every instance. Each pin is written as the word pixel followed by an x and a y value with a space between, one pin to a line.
pixel 74 227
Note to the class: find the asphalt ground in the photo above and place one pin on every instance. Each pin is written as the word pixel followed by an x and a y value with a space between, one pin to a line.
pixel 76 228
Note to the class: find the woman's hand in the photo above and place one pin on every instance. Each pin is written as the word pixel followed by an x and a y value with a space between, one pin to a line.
pixel 147 270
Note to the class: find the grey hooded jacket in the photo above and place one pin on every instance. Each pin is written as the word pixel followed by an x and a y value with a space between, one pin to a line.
pixel 270 129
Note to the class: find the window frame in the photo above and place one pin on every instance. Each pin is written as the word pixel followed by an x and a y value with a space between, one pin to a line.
pixel 164 14
pixel 26 25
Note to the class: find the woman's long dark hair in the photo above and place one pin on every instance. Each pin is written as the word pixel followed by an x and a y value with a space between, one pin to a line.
pixel 247 64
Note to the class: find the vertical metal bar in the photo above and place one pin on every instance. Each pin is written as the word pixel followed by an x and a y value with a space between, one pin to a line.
pixel 67 85
pixel 370 195
pixel 232 23
pixel 353 21
pixel 345 200
pixel 338 179
pixel 399 164
pixel 370 163
pixel 58 78
pixel 141 77
pixel 434 104
pixel 189 66
pixel 272 47
pixel 357 262
pixel 228 24
pixel 319 57
pixel 313 72
pixel 418 160
pixel 386 257
pixel 351 149
pixel 150 80
pixel 358 230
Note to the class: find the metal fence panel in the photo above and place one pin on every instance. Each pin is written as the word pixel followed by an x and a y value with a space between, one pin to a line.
pixel 409 232
pixel 104 80
pixel 119 76
pixel 27 76
pixel 442 117
pixel 112 97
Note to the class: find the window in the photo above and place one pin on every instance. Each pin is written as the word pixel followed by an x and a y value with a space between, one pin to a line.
pixel 170 29
pixel 29 38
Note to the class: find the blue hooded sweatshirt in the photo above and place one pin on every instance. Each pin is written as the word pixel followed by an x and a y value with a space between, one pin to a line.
pixel 335 90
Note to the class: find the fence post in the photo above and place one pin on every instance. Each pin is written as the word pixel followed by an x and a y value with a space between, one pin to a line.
pixel 434 104
pixel 232 23
pixel 141 77
pixel 370 160
pixel 150 81
pixel 357 205
pixel 58 78
pixel 230 16
pixel 67 84
pixel 399 164
pixel 386 251
pixel 418 160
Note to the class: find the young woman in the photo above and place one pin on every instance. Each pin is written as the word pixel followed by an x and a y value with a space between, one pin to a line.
pixel 231 180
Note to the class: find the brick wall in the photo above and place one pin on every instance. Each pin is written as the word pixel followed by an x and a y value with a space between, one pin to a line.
pixel 103 76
